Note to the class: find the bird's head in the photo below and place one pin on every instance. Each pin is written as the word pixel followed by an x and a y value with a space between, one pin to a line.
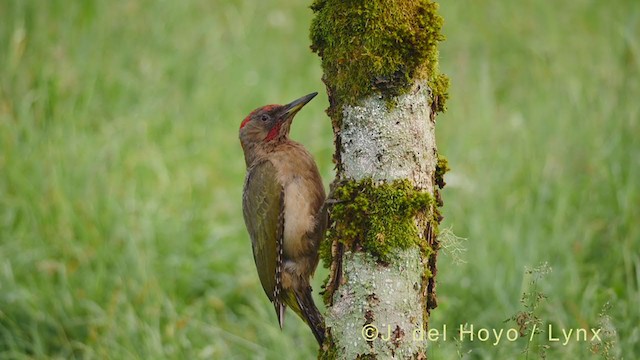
pixel 270 123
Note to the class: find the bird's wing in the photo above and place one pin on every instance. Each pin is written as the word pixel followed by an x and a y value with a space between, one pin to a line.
pixel 262 205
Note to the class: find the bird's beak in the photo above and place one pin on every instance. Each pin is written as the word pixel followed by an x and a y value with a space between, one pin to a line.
pixel 292 108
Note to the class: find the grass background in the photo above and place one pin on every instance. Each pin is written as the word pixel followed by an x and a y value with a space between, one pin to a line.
pixel 121 233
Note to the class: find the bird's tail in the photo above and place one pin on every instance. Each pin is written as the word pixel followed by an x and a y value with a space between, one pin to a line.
pixel 309 313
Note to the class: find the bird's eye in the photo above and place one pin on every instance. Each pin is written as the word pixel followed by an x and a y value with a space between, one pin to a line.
pixel 264 117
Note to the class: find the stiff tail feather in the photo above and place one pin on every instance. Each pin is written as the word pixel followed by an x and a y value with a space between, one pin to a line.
pixel 280 307
pixel 310 314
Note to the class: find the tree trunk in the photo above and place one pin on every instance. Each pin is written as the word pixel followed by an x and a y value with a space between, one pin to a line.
pixel 380 67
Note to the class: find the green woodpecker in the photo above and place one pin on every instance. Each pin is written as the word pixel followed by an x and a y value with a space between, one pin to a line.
pixel 282 200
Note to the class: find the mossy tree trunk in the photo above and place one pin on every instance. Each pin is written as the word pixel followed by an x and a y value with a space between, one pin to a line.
pixel 380 68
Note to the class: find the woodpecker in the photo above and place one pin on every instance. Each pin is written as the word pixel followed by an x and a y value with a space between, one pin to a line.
pixel 282 204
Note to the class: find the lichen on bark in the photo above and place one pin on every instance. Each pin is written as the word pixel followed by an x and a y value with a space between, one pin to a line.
pixel 368 308
pixel 390 143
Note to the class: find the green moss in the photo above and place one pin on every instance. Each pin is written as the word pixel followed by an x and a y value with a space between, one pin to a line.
pixel 378 46
pixel 442 167
pixel 376 218
pixel 439 85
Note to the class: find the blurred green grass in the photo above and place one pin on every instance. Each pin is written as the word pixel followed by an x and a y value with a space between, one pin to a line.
pixel 120 172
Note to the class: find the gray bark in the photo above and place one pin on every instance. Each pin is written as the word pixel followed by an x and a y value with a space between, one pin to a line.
pixel 385 298
pixel 390 144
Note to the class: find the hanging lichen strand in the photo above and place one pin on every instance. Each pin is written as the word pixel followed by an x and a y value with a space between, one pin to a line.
pixel 378 46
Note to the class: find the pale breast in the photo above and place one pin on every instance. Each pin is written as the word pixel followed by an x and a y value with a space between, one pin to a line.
pixel 303 197
pixel 299 217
